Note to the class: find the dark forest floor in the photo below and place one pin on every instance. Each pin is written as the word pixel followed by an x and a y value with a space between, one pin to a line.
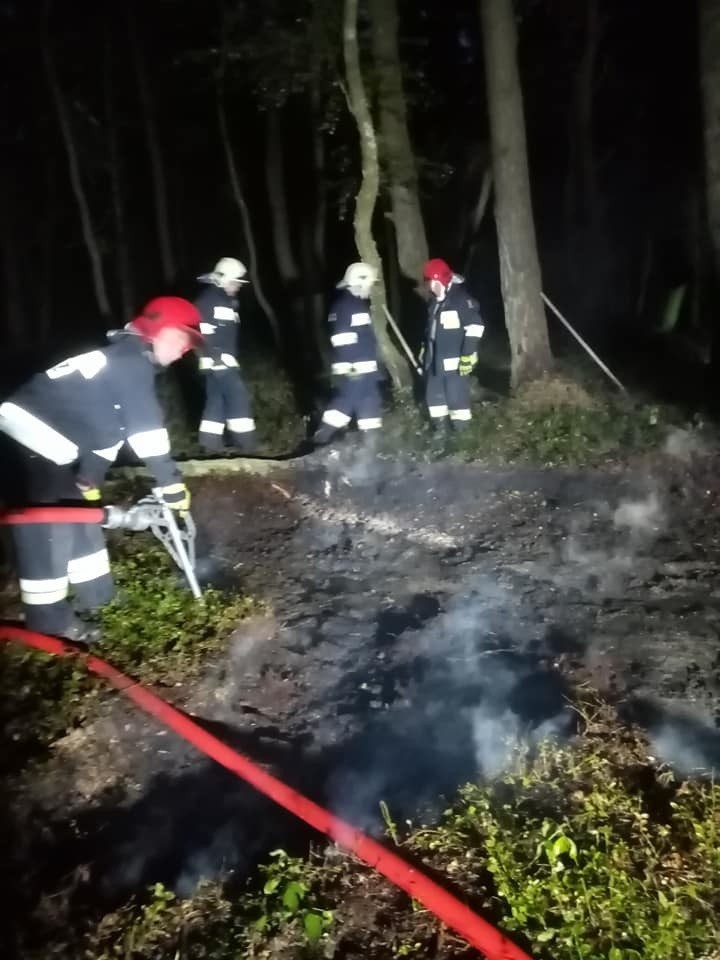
pixel 423 614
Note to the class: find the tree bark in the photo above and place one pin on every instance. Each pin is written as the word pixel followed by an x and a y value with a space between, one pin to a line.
pixel 277 197
pixel 239 195
pixel 12 258
pixel 517 246
pixel 710 77
pixel 122 246
pixel 160 192
pixel 89 231
pixel 366 198
pixel 395 146
pixel 709 33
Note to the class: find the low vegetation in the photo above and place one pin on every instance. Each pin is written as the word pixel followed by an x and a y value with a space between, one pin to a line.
pixel 154 630
pixel 556 422
pixel 586 850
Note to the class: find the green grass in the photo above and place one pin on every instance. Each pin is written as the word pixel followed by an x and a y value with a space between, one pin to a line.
pixel 582 851
pixel 548 429
pixel 155 630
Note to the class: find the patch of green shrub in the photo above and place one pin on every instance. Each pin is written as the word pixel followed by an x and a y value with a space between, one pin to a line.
pixel 155 628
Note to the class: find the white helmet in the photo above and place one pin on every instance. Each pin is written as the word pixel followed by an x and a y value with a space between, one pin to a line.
pixel 359 279
pixel 227 270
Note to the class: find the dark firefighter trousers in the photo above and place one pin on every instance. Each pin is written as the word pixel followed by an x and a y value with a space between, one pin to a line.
pixel 357 397
pixel 447 395
pixel 227 406
pixel 53 558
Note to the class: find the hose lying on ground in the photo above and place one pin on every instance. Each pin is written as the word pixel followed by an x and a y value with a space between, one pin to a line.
pixel 446 907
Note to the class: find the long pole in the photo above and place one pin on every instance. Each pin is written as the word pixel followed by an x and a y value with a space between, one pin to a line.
pixel 403 342
pixel 605 369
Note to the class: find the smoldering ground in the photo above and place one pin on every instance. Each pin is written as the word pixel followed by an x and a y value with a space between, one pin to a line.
pixel 427 618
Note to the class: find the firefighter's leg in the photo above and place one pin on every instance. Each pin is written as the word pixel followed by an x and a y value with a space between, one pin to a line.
pixel 339 412
pixel 212 425
pixel 457 390
pixel 368 404
pixel 42 554
pixel 436 399
pixel 89 568
pixel 240 423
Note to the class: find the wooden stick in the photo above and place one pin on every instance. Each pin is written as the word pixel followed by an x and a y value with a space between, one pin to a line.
pixel 606 370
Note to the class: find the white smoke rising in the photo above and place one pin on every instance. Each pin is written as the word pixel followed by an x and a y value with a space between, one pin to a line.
pixel 640 516
pixel 684 444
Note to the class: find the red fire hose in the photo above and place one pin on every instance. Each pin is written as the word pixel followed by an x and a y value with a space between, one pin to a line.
pixel 456 915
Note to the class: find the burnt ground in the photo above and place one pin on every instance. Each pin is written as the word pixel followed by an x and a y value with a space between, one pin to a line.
pixel 424 617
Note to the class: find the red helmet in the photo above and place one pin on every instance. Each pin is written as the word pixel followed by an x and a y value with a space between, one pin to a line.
pixel 438 270
pixel 161 312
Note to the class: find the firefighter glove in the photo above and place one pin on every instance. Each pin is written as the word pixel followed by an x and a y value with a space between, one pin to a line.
pixel 91 494
pixel 467 364
pixel 177 497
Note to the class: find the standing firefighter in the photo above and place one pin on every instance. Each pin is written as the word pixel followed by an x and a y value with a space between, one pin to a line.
pixel 227 402
pixel 67 425
pixel 450 351
pixel 354 357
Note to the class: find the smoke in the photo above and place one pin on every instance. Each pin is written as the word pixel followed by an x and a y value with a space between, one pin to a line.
pixel 687 740
pixel 622 541
pixel 684 445
pixel 640 517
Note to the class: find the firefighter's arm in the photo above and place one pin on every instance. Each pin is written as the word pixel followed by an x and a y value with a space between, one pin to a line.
pixel 145 430
pixel 474 329
pixel 209 351
pixel 342 339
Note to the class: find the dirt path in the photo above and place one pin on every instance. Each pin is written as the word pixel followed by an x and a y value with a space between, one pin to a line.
pixel 424 617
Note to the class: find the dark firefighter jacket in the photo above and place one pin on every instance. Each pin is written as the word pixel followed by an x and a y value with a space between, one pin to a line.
pixel 80 411
pixel 354 347
pixel 219 326
pixel 454 328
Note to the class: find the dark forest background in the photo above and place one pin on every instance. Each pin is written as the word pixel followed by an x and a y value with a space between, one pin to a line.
pixel 615 143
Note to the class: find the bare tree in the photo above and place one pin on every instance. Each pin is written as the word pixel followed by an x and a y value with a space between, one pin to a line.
pixel 237 190
pixel 517 246
pixel 122 245
pixel 89 231
pixel 710 78
pixel 160 192
pixel 11 248
pixel 367 195
pixel 395 147
pixel 277 196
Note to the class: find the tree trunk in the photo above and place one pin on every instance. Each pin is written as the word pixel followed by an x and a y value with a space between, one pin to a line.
pixel 122 246
pixel 277 197
pixel 315 276
pixel 12 258
pixel 48 241
pixel 395 146
pixel 160 193
pixel 710 75
pixel 367 195
pixel 89 232
pixel 239 196
pixel 517 246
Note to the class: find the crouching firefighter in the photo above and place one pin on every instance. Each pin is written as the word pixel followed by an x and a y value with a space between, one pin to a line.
pixel 67 425
pixel 354 357
pixel 449 354
pixel 227 402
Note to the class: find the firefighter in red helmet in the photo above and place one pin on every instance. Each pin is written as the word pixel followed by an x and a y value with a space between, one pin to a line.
pixel 66 425
pixel 449 354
